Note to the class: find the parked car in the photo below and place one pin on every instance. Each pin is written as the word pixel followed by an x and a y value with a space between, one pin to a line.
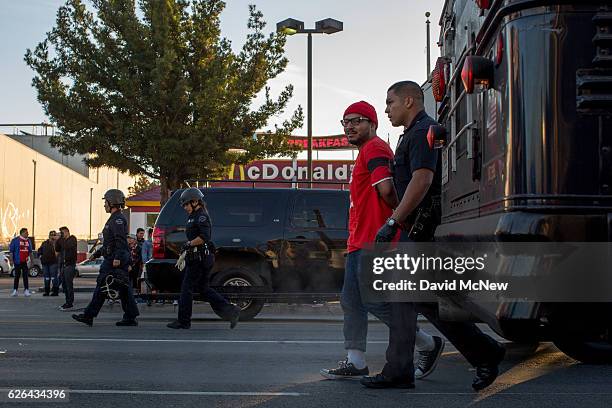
pixel 34 264
pixel 5 263
pixel 89 268
pixel 273 245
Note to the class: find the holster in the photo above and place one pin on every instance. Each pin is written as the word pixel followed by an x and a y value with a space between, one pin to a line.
pixel 426 221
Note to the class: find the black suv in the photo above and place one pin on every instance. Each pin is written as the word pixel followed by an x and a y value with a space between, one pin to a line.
pixel 273 245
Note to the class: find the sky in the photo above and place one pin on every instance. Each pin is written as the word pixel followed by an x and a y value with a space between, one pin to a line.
pixel 383 42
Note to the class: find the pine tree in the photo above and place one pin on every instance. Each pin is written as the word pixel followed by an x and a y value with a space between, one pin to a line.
pixel 152 88
pixel 142 184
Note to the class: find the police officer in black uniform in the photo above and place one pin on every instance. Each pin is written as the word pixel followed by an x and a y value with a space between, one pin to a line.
pixel 113 278
pixel 199 262
pixel 417 177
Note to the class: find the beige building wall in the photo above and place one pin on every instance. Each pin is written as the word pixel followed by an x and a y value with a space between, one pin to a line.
pixel 63 196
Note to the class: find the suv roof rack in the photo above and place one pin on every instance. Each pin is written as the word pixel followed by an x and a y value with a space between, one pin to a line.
pixel 206 183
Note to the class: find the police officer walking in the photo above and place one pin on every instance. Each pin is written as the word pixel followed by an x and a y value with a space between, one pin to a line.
pixel 199 257
pixel 113 279
pixel 417 176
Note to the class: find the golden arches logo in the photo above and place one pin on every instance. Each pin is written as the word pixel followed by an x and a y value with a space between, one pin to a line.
pixel 230 175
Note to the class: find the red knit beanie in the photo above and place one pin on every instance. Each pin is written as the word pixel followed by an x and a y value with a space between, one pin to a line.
pixel 364 109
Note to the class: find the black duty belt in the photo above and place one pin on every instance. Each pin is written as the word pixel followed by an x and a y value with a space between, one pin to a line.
pixel 206 249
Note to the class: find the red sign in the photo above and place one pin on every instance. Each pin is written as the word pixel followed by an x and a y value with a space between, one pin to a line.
pixel 284 173
pixel 322 142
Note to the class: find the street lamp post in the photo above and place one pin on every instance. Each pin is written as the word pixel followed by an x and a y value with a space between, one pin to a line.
pixel 427 23
pixel 292 26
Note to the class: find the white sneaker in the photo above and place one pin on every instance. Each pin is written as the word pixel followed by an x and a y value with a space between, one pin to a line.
pixel 14 293
pixel 27 293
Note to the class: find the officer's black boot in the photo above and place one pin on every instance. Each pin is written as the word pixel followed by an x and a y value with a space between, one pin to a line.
pixel 55 291
pixel 47 286
pixel 234 317
pixel 83 319
pixel 488 372
pixel 125 322
pixel 178 325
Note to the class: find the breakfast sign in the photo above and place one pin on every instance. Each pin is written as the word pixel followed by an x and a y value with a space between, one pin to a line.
pixel 336 142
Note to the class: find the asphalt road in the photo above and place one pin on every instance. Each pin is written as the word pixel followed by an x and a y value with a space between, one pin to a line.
pixel 270 362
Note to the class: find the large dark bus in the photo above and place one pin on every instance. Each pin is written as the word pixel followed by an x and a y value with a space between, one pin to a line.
pixel 524 91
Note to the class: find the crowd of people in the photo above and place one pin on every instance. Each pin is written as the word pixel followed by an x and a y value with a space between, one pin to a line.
pixel 58 257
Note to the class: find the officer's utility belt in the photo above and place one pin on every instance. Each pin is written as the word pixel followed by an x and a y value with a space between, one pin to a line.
pixel 205 248
pixel 426 221
pixel 200 251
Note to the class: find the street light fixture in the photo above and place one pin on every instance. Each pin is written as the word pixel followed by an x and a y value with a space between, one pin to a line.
pixel 292 26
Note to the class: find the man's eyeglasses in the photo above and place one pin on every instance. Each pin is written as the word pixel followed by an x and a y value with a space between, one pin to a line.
pixel 353 121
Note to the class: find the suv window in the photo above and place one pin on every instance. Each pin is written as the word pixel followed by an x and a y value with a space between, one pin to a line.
pixel 235 209
pixel 226 208
pixel 319 211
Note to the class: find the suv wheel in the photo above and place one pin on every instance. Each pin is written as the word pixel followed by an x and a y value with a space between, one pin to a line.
pixel 249 308
pixel 34 271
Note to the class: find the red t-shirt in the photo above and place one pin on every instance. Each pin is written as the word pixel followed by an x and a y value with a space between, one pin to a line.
pixel 24 249
pixel 368 212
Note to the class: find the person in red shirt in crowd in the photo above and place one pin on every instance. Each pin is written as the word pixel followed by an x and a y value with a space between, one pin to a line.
pixel 373 198
pixel 21 249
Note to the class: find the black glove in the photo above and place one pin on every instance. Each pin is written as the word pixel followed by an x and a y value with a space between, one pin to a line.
pixel 186 246
pixel 386 233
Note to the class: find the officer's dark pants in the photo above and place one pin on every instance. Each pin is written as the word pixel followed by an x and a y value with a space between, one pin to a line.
pixel 196 278
pixel 400 351
pixel 128 304
pixel 476 347
pixel 21 269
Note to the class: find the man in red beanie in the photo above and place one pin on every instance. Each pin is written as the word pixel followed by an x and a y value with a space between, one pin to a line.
pixel 373 198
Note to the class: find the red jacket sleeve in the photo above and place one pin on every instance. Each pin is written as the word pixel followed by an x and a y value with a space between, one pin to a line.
pixel 378 158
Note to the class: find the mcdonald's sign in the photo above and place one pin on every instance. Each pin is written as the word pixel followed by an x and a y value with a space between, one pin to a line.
pixel 338 171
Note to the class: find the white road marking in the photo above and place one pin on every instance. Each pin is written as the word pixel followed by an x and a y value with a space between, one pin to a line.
pixel 215 341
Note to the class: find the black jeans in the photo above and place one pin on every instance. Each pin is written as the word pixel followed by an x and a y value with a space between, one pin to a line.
pixel 68 272
pixel 21 269
pixel 196 278
pixel 128 304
